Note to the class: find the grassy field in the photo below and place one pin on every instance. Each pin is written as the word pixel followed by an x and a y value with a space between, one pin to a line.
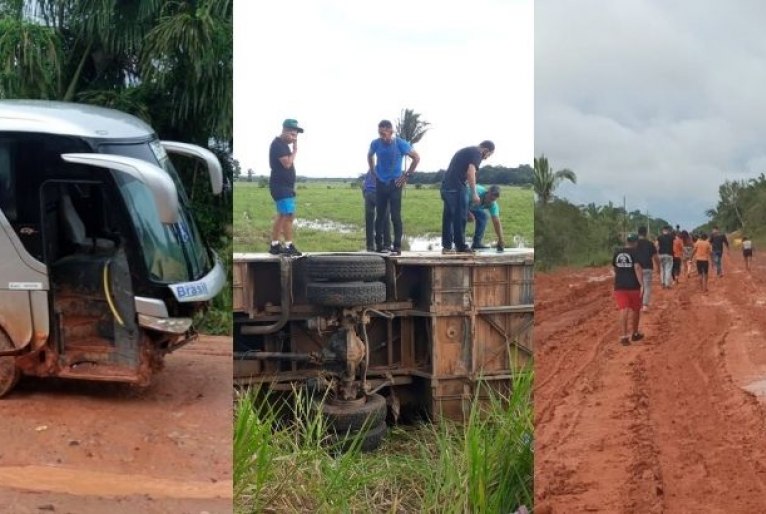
pixel 483 466
pixel 340 203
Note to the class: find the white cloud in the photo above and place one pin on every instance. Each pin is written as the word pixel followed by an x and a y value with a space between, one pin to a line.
pixel 339 67
pixel 656 101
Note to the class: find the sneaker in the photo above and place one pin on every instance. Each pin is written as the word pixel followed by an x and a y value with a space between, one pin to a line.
pixel 292 251
pixel 479 247
pixel 637 336
pixel 276 249
pixel 447 251
pixel 395 251
pixel 466 249
pixel 382 249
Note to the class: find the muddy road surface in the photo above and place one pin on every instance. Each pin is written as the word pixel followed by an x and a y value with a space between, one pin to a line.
pixel 673 423
pixel 86 447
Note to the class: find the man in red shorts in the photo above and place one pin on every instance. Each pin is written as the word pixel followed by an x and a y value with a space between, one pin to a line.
pixel 627 288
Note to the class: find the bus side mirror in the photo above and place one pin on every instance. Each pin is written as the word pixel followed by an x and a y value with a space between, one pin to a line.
pixel 203 154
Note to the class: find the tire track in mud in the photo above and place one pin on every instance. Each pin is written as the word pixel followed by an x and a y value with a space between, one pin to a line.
pixel 80 482
pixel 662 426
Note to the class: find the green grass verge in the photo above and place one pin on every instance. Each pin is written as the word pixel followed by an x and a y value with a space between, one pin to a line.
pixel 341 203
pixel 484 465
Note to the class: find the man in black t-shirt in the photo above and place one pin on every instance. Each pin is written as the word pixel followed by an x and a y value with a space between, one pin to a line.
pixel 646 255
pixel 627 288
pixel 462 169
pixel 665 253
pixel 717 241
pixel 282 187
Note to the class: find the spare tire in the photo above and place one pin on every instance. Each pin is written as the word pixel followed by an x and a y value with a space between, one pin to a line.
pixel 345 268
pixel 371 441
pixel 345 294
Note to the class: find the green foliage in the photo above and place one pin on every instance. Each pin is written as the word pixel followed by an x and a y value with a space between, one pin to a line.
pixel 421 213
pixel 484 465
pixel 546 180
pixel 410 127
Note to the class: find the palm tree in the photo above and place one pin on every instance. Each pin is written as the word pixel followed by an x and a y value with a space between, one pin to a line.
pixel 547 180
pixel 411 128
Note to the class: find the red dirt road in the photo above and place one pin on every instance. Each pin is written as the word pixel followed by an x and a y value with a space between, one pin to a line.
pixel 674 423
pixel 86 447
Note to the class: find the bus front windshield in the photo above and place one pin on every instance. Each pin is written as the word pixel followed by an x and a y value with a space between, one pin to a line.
pixel 172 252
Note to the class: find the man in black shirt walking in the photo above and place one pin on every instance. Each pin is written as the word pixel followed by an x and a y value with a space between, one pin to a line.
pixel 665 252
pixel 717 241
pixel 627 288
pixel 646 256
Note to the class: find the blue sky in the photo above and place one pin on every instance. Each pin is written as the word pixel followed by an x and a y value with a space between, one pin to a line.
pixel 339 67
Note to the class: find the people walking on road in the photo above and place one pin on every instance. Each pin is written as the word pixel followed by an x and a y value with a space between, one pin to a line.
pixel 628 276
pixel 747 251
pixel 701 255
pixel 718 241
pixel 384 159
pixel 688 247
pixel 368 191
pixel 461 174
pixel 486 208
pixel 678 254
pixel 665 252
pixel 282 187
pixel 646 255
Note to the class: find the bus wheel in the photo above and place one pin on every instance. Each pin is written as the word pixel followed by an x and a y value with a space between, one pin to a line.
pixel 9 372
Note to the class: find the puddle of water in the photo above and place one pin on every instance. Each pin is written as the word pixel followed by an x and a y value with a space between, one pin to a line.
pixel 325 226
pixel 94 483
pixel 757 388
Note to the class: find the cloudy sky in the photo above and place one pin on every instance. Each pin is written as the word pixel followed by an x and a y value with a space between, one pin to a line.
pixel 339 67
pixel 656 101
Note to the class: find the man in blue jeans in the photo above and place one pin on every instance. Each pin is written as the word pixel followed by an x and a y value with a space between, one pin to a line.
pixel 460 174
pixel 368 191
pixel 384 159
pixel 718 241
pixel 486 208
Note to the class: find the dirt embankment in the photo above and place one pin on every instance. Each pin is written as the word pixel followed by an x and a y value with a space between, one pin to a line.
pixel 674 423
pixel 86 447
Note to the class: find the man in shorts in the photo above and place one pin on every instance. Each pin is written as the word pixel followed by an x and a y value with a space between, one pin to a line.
pixel 282 187
pixel 701 254
pixel 646 255
pixel 627 288
pixel 747 251
pixel 718 241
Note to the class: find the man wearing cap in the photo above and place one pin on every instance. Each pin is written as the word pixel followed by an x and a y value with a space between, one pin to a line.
pixel 456 196
pixel 384 160
pixel 627 288
pixel 487 207
pixel 282 187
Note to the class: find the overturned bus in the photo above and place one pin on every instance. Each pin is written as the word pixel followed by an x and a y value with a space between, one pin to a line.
pixel 101 263
pixel 371 337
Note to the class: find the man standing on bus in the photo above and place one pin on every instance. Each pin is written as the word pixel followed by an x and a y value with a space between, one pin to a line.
pixel 282 187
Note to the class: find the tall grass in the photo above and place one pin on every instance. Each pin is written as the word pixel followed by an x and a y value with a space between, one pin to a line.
pixel 484 465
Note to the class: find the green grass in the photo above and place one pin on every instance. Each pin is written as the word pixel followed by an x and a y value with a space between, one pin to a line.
pixel 421 215
pixel 484 465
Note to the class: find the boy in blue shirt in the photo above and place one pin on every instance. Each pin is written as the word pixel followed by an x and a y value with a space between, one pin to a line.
pixel 487 207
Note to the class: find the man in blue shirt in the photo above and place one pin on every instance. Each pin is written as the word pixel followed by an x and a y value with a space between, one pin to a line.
pixel 487 207
pixel 385 162
pixel 368 190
